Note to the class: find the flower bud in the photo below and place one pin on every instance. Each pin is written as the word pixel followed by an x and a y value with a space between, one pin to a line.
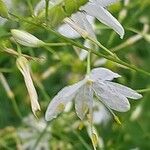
pixel 26 39
pixel 23 66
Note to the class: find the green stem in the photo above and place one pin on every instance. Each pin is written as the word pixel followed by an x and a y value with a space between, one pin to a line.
pixel 81 140
pixel 15 106
pixel 101 46
pixel 30 7
pixel 89 62
pixel 40 136
pixel 143 90
pixel 46 10
pixel 132 67
pixel 52 51
pixel 56 44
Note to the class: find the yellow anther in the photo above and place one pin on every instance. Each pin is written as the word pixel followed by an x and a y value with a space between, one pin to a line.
pixel 89 81
pixel 81 125
pixel 117 120
pixel 94 139
pixel 60 107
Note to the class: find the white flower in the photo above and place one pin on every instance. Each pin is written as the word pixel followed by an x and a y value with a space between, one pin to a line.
pixel 23 66
pixel 100 114
pixel 96 84
pixel 26 39
pixel 94 8
pixel 30 133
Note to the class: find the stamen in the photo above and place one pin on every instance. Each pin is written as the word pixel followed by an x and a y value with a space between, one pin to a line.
pixel 61 107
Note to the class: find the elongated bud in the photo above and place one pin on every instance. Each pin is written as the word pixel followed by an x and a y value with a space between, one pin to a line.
pixel 23 66
pixel 26 39
pixel 3 10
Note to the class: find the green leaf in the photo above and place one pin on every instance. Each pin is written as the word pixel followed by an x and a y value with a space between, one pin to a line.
pixel 3 10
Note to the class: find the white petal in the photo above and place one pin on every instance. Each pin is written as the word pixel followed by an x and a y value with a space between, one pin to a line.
pixel 59 102
pixel 67 31
pixel 111 99
pixel 79 20
pixel 104 3
pixel 123 90
pixel 83 54
pixel 100 113
pixel 103 74
pixel 105 17
pixel 83 101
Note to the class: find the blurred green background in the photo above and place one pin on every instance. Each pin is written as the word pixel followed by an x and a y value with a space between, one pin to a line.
pixel 53 74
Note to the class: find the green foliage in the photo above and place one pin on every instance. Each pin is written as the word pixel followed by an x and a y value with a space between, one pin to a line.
pixel 53 74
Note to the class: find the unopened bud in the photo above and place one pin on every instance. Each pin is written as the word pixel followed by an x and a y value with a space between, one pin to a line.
pixel 26 39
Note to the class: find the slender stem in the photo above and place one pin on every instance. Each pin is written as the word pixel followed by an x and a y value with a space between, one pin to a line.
pixel 10 94
pixel 143 90
pixel 30 6
pixel 56 44
pixel 40 136
pixel 5 70
pixel 15 106
pixel 101 46
pixel 52 51
pixel 81 140
pixel 19 49
pixel 46 10
pixel 129 66
pixel 89 62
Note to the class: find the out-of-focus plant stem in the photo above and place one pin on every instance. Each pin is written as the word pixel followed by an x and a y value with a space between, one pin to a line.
pixel 46 10
pixel 10 95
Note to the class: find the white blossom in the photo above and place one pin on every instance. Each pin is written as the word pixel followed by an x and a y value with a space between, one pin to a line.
pixel 96 84
pixel 26 39
pixel 23 66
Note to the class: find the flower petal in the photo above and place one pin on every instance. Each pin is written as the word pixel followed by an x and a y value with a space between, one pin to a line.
pixel 83 101
pixel 123 90
pixel 59 102
pixel 83 54
pixel 111 99
pixel 67 31
pixel 103 74
pixel 104 16
pixel 81 23
pixel 104 3
pixel 100 113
